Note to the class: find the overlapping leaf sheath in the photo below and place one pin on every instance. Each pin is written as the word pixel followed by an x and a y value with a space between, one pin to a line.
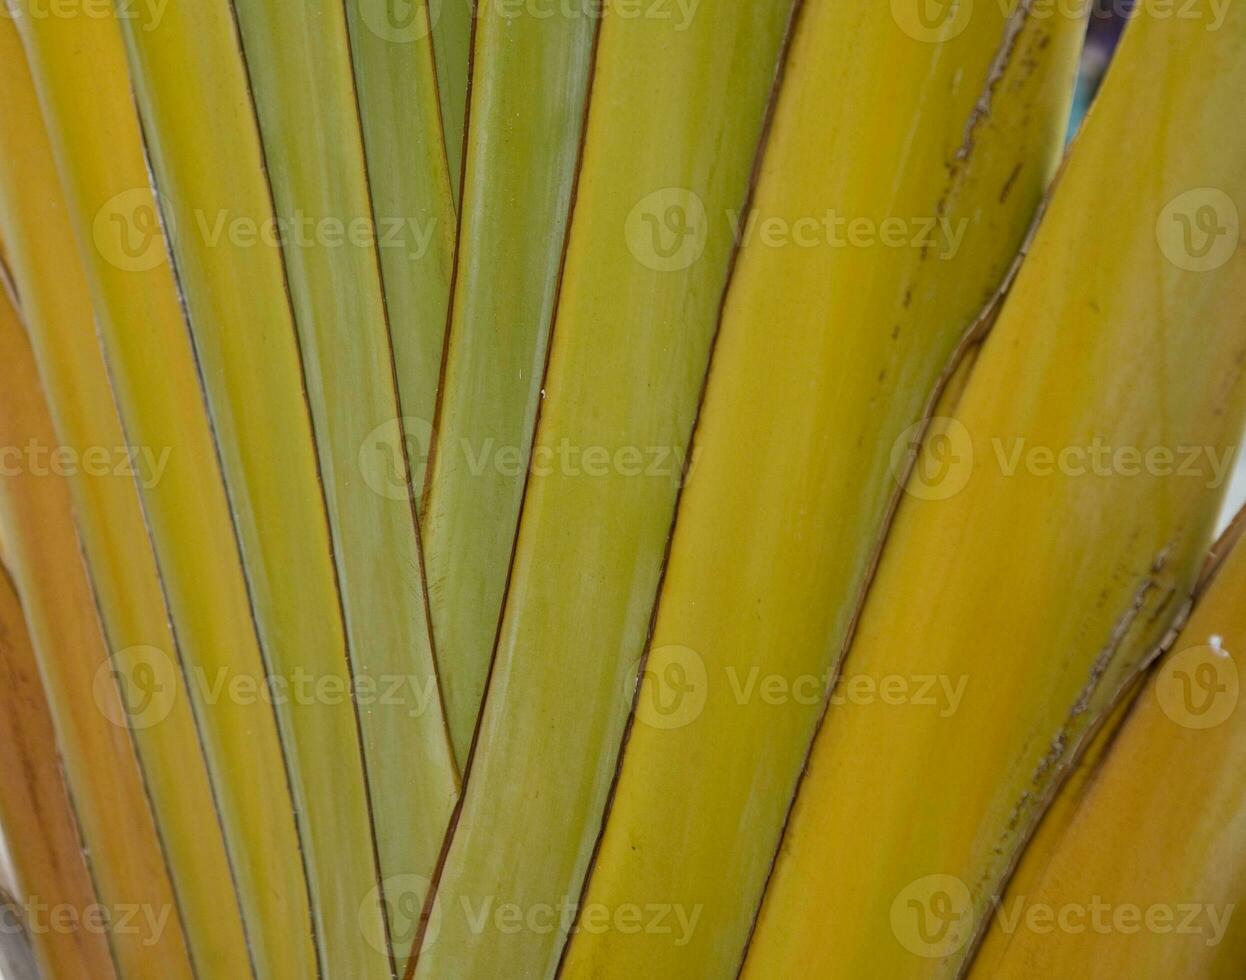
pixel 1051 533
pixel 125 580
pixel 673 127
pixel 117 831
pixel 207 164
pixel 409 182
pixel 527 123
pixel 38 828
pixel 778 528
pixel 451 24
pixel 6 262
pixel 84 86
pixel 1142 866
pixel 1078 778
pixel 300 72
